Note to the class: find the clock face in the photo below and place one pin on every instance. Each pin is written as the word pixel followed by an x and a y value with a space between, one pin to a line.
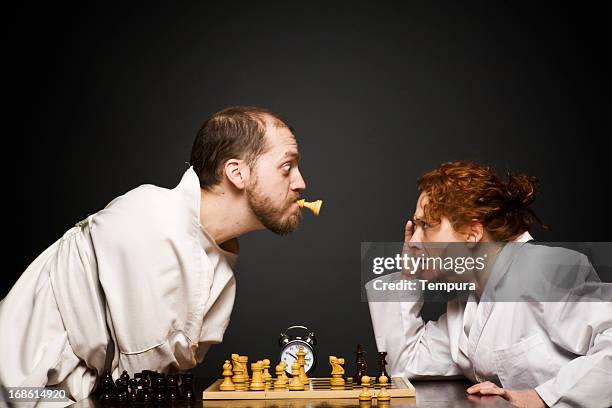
pixel 289 354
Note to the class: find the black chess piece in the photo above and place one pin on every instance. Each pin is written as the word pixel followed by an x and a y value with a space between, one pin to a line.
pixel 160 388
pixel 173 390
pixel 138 391
pixel 187 385
pixel 361 364
pixel 125 377
pixel 146 392
pixel 382 361
pixel 133 390
pixel 121 390
pixel 123 387
pixel 109 392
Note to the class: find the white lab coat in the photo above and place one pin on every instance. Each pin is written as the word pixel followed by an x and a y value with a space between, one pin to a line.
pixel 562 349
pixel 142 272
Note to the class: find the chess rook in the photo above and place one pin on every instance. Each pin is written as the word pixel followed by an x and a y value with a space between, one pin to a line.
pixel 187 383
pixel 244 360
pixel 285 378
pixel 172 385
pixel 257 382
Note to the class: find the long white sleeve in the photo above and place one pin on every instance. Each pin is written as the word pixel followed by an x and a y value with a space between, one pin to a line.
pixel 414 348
pixel 583 329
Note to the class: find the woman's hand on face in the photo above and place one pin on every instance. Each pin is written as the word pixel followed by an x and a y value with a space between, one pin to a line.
pixel 406 249
pixel 414 250
pixel 408 233
pixel 518 398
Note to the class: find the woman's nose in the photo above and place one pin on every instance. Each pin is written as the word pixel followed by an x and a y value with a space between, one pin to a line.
pixel 416 241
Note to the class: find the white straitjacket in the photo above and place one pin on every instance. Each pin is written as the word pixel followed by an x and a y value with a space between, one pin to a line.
pixel 563 350
pixel 142 272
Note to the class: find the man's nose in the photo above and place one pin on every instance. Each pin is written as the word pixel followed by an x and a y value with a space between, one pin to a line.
pixel 298 183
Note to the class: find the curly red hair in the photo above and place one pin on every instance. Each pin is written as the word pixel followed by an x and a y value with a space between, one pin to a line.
pixel 465 192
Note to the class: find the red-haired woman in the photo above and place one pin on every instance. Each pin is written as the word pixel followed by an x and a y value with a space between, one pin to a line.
pixel 533 352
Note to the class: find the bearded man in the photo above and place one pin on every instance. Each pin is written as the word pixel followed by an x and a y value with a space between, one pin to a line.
pixel 147 282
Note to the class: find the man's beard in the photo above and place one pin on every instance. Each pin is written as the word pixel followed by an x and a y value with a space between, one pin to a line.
pixel 270 216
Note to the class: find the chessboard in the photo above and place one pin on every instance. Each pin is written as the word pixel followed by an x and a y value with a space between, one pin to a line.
pixel 317 388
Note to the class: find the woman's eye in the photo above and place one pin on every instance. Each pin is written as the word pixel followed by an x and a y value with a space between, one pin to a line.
pixel 287 167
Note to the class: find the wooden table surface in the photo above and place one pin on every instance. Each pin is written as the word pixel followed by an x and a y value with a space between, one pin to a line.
pixel 429 394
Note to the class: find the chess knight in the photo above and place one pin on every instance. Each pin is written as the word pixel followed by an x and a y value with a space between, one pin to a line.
pixel 147 282
pixel 337 380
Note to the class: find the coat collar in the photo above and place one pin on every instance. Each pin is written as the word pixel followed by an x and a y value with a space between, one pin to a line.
pixel 500 268
pixel 190 191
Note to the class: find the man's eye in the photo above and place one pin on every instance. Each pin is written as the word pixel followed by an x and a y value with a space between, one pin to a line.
pixel 287 167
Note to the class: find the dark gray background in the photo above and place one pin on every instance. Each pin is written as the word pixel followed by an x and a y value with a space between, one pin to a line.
pixel 109 98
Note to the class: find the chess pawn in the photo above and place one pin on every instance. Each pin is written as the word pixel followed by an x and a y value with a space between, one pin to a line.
pixel 266 373
pixel 257 382
pixel 227 384
pixel 281 379
pixel 285 378
pixel 383 394
pixel 301 359
pixel 365 394
pixel 295 384
pixel 125 377
pixel 314 206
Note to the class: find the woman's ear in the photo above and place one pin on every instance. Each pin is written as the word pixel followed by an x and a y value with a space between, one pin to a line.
pixel 475 234
pixel 237 173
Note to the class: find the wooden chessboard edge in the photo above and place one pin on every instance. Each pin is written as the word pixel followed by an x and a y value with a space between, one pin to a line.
pixel 212 392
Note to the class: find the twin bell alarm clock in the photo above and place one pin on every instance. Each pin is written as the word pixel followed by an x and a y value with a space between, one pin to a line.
pixel 290 345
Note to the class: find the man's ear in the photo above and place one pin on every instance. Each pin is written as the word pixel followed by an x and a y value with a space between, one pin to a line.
pixel 475 233
pixel 237 172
